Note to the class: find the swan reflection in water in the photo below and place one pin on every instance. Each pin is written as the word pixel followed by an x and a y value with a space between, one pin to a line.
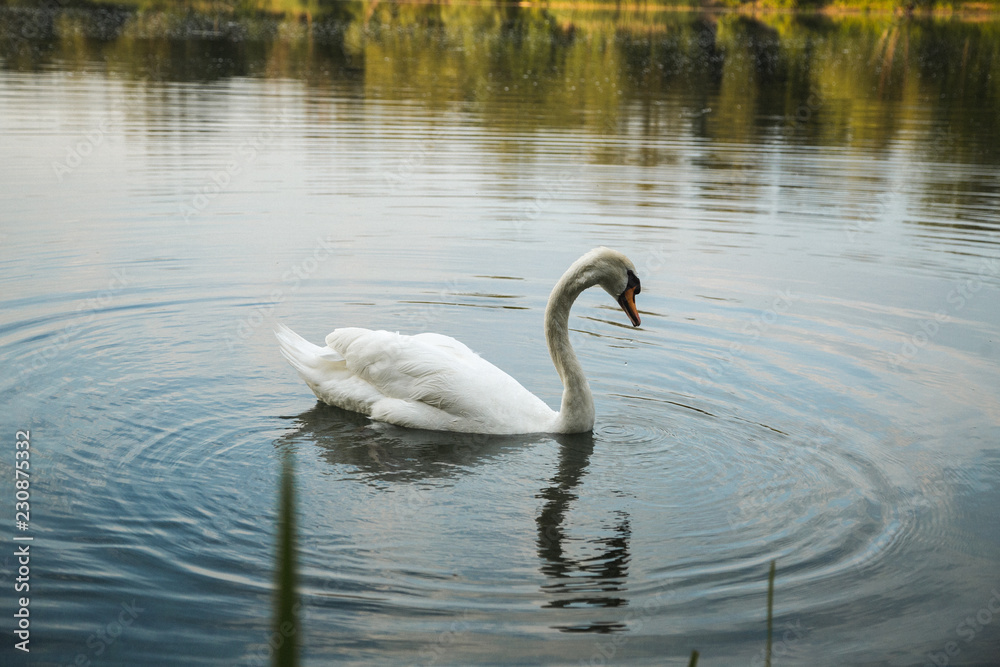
pixel 597 579
pixel 384 453
pixel 580 572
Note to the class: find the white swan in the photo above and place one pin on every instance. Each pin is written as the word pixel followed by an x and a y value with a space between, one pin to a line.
pixel 430 381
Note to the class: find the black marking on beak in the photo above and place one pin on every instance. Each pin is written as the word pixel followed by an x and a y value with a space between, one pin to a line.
pixel 627 298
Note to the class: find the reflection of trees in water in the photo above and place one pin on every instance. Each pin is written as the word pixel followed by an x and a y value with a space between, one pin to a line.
pixel 596 579
pixel 639 73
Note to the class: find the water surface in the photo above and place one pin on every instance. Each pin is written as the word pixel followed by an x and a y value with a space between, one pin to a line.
pixel 812 207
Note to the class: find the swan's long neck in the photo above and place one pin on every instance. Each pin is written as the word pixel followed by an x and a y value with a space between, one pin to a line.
pixel 576 413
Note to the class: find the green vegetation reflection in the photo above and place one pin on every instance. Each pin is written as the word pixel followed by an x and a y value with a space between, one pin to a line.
pixel 854 80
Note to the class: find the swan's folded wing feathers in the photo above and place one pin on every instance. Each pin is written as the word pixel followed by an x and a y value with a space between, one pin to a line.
pixel 447 344
pixel 341 339
pixel 426 368
pixel 414 369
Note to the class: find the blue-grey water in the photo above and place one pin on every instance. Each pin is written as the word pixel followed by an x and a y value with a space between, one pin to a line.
pixel 815 380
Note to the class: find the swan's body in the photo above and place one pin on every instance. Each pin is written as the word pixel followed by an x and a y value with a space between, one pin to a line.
pixel 434 382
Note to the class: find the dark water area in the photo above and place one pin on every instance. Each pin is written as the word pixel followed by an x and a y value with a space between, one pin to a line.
pixel 813 207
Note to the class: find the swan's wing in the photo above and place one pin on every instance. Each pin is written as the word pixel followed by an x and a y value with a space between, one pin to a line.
pixel 425 368
pixel 371 344
pixel 432 371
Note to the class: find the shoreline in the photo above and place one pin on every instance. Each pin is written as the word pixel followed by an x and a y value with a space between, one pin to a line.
pixel 965 11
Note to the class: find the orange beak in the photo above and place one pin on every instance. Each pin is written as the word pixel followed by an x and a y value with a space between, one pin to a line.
pixel 627 302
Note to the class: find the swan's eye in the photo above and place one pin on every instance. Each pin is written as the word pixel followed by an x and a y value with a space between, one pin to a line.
pixel 633 282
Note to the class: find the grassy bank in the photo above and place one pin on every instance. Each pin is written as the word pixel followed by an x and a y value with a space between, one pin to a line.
pixel 974 9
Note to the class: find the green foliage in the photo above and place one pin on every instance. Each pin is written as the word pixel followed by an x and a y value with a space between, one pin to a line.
pixel 318 8
pixel 850 80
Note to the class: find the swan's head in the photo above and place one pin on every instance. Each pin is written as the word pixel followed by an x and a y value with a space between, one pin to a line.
pixel 616 274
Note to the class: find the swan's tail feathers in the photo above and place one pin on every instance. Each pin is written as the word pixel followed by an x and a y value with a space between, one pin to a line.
pixel 306 358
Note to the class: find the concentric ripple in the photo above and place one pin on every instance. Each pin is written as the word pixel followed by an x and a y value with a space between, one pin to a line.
pixel 804 388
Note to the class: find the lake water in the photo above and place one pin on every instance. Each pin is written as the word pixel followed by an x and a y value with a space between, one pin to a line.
pixel 813 207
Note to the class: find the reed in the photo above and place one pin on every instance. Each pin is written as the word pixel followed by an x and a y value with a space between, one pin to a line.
pixel 286 624
pixel 770 615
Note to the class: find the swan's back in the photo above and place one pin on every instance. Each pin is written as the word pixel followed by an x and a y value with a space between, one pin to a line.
pixel 426 381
